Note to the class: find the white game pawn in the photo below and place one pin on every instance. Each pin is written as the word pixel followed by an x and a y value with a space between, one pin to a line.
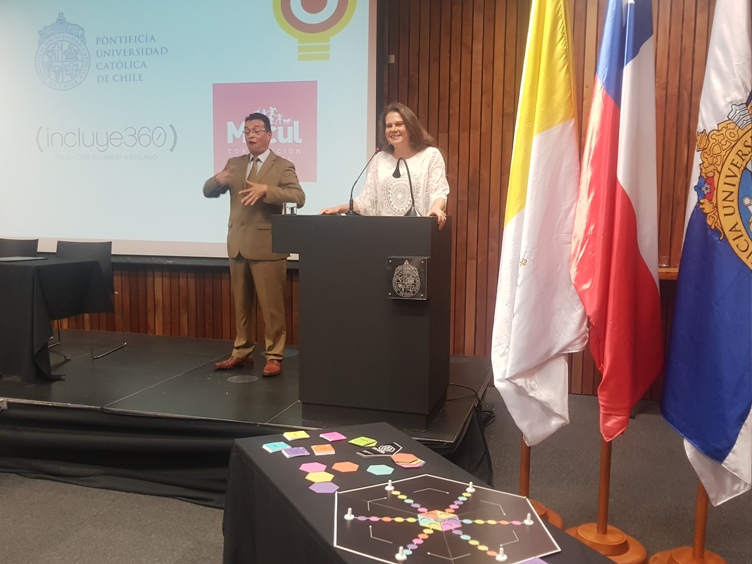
pixel 528 520
pixel 389 487
pixel 470 488
pixel 500 556
pixel 401 556
pixel 349 515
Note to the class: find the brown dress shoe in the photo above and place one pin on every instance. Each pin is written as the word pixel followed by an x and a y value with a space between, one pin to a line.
pixel 272 368
pixel 233 362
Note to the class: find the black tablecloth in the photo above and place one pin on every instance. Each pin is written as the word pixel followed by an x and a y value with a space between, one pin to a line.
pixel 34 292
pixel 272 517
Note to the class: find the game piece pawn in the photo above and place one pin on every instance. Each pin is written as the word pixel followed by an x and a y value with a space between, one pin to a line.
pixel 349 515
pixel 389 487
pixel 528 520
pixel 470 488
pixel 400 556
pixel 500 556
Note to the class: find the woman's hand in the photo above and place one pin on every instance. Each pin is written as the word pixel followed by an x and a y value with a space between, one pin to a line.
pixel 440 216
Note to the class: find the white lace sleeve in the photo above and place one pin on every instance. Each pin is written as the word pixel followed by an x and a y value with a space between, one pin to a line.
pixel 438 187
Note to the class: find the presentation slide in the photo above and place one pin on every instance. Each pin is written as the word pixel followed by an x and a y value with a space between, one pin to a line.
pixel 114 114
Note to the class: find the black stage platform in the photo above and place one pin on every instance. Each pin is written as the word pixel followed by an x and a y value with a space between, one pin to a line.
pixel 155 417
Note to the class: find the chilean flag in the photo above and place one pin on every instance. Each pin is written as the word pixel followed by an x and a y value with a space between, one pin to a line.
pixel 614 263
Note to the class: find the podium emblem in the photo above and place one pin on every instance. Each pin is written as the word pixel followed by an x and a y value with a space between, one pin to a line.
pixel 407 278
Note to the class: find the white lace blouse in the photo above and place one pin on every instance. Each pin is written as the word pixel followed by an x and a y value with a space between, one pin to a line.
pixel 385 195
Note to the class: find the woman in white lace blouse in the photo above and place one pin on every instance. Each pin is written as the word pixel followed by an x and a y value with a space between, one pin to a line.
pixel 403 137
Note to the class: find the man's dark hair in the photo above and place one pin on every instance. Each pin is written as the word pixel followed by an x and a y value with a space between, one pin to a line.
pixel 261 117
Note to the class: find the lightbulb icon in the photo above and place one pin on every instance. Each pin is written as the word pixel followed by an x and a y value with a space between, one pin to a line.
pixel 313 23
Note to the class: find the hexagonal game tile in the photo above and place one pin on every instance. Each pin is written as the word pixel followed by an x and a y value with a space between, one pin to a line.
pixel 319 477
pixel 380 469
pixel 404 458
pixel 313 467
pixel 324 487
pixel 345 467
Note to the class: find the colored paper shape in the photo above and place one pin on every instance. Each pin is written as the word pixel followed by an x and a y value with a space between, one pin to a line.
pixel 321 450
pixel 319 477
pixel 404 457
pixel 380 469
pixel 364 442
pixel 345 467
pixel 295 451
pixel 275 447
pixel 333 436
pixel 324 487
pixel 313 467
pixel 295 435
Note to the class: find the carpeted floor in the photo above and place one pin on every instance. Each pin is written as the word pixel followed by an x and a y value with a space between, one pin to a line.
pixel 653 491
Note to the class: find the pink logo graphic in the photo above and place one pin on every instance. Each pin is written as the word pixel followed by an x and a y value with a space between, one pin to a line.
pixel 291 108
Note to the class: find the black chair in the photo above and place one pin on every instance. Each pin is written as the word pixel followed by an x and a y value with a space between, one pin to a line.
pixel 18 247
pixel 99 251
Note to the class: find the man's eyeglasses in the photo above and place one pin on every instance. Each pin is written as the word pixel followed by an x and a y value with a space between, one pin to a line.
pixel 254 132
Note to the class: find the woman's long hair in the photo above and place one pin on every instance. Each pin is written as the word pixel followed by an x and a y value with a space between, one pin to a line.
pixel 419 137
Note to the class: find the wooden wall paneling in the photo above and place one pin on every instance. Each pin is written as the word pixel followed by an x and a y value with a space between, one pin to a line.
pixel 473 176
pixel 209 304
pixel 480 151
pixel 433 65
pixel 423 16
pixel 589 63
pixel 455 80
pixel 590 373
pixel 579 19
pixel 133 304
pixel 228 307
pixel 142 303
pixel 200 321
pixel 182 276
pixel 151 312
pixel 574 362
pixel 496 156
pixel 484 319
pixel 685 131
pixel 125 292
pixel 661 25
pixel 216 304
pixel 461 295
pixel 667 177
pixel 677 204
pixel 445 89
pixel 126 298
pixel 133 300
pixel 402 29
pixel 158 304
pixel 175 301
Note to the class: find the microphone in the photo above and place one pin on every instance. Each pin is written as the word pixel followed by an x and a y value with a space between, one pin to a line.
pixel 350 211
pixel 412 212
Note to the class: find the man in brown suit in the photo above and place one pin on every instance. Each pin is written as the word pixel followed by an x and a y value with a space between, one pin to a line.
pixel 259 185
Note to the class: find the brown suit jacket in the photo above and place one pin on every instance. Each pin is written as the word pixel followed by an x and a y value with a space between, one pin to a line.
pixel 249 231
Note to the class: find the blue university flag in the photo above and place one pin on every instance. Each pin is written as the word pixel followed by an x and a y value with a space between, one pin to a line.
pixel 708 388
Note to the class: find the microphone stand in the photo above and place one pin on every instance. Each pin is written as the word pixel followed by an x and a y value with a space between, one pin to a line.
pixel 412 212
pixel 350 210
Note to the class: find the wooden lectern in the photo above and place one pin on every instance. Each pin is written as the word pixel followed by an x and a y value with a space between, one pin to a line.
pixel 367 353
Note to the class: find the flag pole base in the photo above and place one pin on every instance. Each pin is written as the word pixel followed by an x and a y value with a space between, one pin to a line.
pixel 683 555
pixel 615 544
pixel 548 515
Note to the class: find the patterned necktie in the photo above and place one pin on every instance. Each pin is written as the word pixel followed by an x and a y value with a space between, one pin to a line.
pixel 254 169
